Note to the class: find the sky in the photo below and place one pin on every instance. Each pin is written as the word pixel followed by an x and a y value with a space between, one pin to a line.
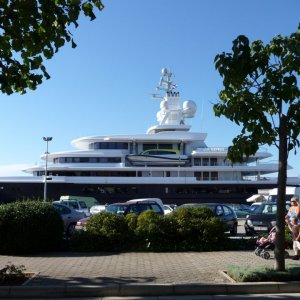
pixel 104 86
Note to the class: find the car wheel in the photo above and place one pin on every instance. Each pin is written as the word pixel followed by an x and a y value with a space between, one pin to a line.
pixel 233 231
pixel 71 229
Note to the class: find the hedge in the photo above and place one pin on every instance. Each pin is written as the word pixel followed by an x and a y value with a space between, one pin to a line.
pixel 28 227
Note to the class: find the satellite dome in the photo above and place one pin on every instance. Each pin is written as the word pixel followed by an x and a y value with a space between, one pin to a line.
pixel 189 108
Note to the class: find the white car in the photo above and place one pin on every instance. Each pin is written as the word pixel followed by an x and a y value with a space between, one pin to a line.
pixel 167 209
pixel 96 209
pixel 157 200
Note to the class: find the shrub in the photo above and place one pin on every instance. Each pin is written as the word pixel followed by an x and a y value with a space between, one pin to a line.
pixel 150 231
pixel 29 226
pixel 110 231
pixel 186 229
pixel 133 242
pixel 197 228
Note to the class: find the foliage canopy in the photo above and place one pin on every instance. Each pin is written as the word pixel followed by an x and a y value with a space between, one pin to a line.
pixel 32 31
pixel 260 84
pixel 261 93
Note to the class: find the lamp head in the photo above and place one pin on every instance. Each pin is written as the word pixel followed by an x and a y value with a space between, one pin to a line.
pixel 48 138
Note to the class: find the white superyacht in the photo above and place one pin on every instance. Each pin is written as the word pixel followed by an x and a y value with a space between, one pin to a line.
pixel 169 162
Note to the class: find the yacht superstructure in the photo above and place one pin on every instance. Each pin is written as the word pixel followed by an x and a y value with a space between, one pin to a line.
pixel 169 162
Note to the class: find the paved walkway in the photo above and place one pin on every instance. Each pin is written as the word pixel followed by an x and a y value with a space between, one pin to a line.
pixel 133 268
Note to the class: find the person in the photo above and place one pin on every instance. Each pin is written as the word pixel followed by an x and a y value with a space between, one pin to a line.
pixel 295 230
pixel 294 210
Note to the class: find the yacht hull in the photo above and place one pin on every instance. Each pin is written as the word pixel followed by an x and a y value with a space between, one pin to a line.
pixel 110 193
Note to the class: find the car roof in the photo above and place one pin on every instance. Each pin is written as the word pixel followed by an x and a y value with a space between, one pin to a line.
pixel 134 202
pixel 204 204
pixel 143 202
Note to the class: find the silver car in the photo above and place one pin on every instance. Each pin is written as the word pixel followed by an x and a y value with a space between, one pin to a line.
pixel 69 216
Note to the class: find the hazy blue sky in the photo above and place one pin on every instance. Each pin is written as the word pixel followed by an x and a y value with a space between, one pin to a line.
pixel 103 86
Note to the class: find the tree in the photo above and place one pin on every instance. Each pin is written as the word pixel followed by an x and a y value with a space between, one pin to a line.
pixel 32 31
pixel 261 93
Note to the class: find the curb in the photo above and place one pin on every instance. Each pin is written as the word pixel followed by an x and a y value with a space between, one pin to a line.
pixel 121 290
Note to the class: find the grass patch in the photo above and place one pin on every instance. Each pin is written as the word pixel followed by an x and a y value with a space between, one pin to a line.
pixel 263 273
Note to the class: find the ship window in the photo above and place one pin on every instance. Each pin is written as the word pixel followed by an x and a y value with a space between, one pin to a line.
pixel 198 175
pixel 84 159
pixel 197 161
pixel 214 175
pixel 95 173
pixel 157 146
pixel 165 146
pixel 213 161
pixel 88 160
pixel 205 175
pixel 111 190
pixel 205 161
pixel 109 145
pixel 149 146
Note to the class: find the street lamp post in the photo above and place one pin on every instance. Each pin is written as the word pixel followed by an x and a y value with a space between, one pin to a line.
pixel 47 140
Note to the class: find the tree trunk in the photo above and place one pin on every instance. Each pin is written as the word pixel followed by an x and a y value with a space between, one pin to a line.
pixel 281 210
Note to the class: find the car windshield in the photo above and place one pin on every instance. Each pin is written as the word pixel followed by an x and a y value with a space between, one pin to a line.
pixel 73 205
pixel 254 207
pixel 266 209
pixel 116 208
pixel 82 204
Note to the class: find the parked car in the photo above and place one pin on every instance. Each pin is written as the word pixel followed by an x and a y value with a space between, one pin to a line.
pixel 78 205
pixel 69 216
pixel 255 205
pixel 173 206
pixel 241 210
pixel 167 209
pixel 262 219
pixel 136 207
pixel 223 212
pixel 96 209
pixel 125 208
pixel 157 200
pixel 81 224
